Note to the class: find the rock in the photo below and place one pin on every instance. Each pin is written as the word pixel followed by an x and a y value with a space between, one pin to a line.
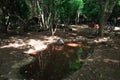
pixel 60 42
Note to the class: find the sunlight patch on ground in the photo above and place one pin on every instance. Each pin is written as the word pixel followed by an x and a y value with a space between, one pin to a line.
pixel 117 29
pixel 34 45
pixel 15 43
pixel 104 39
pixel 111 60
pixel 39 45
pixel 73 44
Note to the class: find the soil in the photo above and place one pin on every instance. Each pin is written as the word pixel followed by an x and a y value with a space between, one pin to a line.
pixel 103 64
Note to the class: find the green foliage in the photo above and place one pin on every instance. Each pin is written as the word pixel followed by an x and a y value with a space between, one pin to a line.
pixel 116 11
pixel 75 64
pixel 72 7
pixel 91 9
pixel 79 52
pixel 62 10
pixel 118 2
pixel 66 8
pixel 22 9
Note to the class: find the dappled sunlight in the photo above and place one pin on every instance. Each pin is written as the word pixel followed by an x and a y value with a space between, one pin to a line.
pixel 104 60
pixel 78 45
pixel 38 45
pixel 56 59
pixel 104 39
pixel 15 43
pixel 73 45
pixel 111 61
pixel 32 44
pixel 60 40
pixel 68 47
pixel 117 29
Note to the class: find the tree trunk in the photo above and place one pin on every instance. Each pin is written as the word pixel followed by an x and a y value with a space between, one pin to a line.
pixel 102 24
pixel 4 26
pixel 106 10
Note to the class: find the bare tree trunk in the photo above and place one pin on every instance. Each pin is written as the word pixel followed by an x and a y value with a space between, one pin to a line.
pixel 106 10
pixel 77 17
pixel 102 17
pixel 102 24
pixel 55 23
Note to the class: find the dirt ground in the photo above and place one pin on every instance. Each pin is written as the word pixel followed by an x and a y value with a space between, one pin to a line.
pixel 103 64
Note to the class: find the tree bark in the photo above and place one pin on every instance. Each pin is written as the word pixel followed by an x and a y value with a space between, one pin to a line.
pixel 106 10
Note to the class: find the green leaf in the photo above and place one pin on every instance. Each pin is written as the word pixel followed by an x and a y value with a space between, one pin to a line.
pixel 78 53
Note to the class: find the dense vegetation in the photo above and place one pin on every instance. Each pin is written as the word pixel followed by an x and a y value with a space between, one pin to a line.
pixel 18 16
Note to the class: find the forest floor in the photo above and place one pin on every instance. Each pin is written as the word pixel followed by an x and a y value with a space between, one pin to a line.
pixel 103 64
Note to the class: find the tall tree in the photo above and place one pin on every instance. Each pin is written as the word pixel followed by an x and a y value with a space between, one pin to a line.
pixel 106 8
pixel 99 10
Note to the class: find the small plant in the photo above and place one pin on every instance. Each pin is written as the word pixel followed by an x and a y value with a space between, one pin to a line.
pixel 75 65
pixel 78 53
